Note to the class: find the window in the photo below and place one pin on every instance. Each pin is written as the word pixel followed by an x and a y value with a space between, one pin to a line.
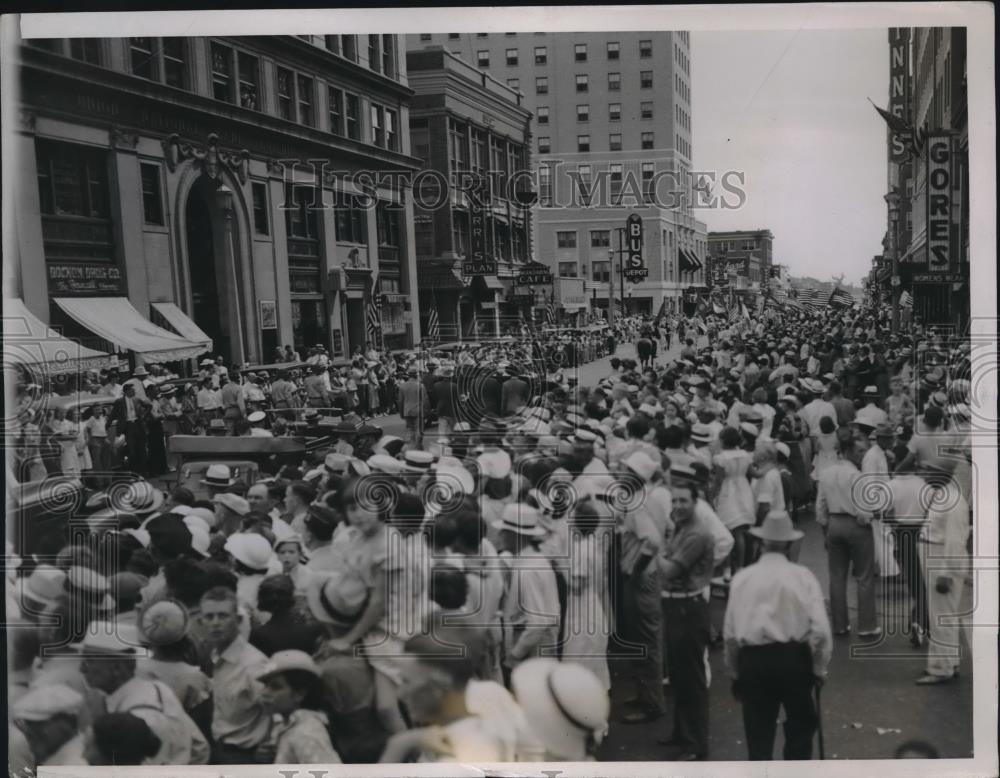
pixel 544 145
pixel 352 116
pixel 648 188
pixel 645 49
pixel 600 239
pixel 511 57
pixel 580 52
pixel 615 141
pixel 583 174
pixel 286 106
pixel 425 36
pixel 349 46
pixel 483 58
pixel 72 180
pixel 646 110
pixel 350 219
pixel 453 36
pixel 391 130
pixel 544 185
pixel 332 43
pixel 583 113
pixel 152 198
pixel 305 95
pixel 249 76
pixel 482 35
pixel 615 112
pixel 542 85
pixel 567 269
pixel 301 203
pixel 646 79
pixel 86 50
pixel 261 223
pixel 616 180
pixel 601 271
pixel 514 83
pixel 389 55
pixel 566 240
pixel 614 82
pixel 647 140
pixel 378 131
pixel 374 53
pixel 614 49
pixel 541 55
pixel 335 100
pixel 458 146
pixel 583 143
pixel 387 230
pixel 542 114
pixel 142 59
pixel 582 83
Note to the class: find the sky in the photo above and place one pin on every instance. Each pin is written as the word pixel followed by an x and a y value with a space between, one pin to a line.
pixel 789 109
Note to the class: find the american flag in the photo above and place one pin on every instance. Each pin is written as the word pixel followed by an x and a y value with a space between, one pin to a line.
pixel 550 312
pixel 841 297
pixel 809 299
pixel 433 325
pixel 374 319
pixel 734 313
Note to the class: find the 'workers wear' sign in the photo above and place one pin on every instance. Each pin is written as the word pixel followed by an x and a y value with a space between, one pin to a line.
pixel 634 268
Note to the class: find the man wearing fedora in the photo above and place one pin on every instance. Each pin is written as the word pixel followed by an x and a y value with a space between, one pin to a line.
pixel 778 643
pixel 414 406
pixel 127 417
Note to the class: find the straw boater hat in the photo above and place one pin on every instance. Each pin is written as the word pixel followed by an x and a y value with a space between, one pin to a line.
pixel 218 475
pixel 289 659
pixel 337 599
pixel 521 519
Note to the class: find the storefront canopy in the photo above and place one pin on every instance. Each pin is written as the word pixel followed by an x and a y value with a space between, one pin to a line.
pixel 29 342
pixel 687 259
pixel 115 320
pixel 182 325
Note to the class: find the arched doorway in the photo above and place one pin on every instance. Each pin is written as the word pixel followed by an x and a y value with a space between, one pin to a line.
pixel 206 305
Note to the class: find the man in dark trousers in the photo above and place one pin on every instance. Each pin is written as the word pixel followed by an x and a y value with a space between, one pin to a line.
pixel 414 405
pixel 778 643
pixel 128 416
pixel 685 564
pixel 444 401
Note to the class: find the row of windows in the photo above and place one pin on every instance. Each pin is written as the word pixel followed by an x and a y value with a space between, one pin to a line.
pixel 647 140
pixel 682 117
pixel 681 59
pixel 237 78
pixel 681 87
pixel 683 146
pixel 583 82
pixel 736 245
pixel 512 56
pixel 583 112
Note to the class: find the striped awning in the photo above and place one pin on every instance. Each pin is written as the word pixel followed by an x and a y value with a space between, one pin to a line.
pixel 30 343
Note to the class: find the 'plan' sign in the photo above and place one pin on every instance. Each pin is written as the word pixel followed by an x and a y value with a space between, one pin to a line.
pixel 939 188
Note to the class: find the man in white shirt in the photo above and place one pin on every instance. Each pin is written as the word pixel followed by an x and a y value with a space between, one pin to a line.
pixel 875 468
pixel 944 557
pixel 777 643
pixel 849 540
pixel 908 514
pixel 817 408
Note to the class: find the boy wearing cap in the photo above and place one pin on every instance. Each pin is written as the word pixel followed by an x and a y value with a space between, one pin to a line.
pixel 778 643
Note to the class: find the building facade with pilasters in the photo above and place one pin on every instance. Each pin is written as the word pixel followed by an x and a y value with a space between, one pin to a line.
pixel 218 176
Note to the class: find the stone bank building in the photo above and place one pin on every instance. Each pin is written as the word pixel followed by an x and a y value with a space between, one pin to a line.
pixel 156 196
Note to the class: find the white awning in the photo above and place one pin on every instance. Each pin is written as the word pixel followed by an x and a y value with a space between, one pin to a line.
pixel 115 320
pixel 30 342
pixel 182 325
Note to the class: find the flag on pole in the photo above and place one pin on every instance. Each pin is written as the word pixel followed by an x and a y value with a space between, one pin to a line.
pixel 550 312
pixel 734 314
pixel 474 324
pixel 374 319
pixel 913 138
pixel 433 325
pixel 743 310
pixel 841 297
pixel 662 313
pixel 906 300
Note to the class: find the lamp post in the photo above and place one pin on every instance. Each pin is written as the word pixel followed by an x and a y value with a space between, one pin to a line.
pixel 611 287
pixel 892 200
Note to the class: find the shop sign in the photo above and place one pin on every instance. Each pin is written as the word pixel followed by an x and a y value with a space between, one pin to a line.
pixel 395 299
pixel 898 88
pixel 938 278
pixel 634 268
pixel 939 217
pixel 83 279
pixel 534 278
pixel 480 267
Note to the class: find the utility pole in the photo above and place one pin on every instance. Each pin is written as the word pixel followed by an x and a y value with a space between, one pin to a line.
pixel 621 264
pixel 892 200
pixel 611 287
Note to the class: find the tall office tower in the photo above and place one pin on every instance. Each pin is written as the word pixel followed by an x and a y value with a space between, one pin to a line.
pixel 612 136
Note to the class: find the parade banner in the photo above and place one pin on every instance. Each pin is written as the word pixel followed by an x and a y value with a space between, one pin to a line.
pixel 939 228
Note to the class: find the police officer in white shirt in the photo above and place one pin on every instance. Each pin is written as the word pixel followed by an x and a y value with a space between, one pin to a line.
pixel 778 643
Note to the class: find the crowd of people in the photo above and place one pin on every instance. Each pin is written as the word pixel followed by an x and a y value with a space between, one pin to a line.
pixel 464 595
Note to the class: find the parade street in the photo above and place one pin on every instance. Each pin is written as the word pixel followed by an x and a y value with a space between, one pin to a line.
pixel 870 705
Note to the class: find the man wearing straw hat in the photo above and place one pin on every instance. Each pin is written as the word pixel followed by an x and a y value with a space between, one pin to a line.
pixel 778 643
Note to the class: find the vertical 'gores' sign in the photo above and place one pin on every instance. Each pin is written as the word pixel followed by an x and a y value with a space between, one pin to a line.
pixel 939 203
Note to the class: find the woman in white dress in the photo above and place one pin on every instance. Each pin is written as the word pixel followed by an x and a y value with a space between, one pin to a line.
pixel 66 433
pixel 735 503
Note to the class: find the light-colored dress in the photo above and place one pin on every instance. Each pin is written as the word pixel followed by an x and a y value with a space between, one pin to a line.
pixel 587 625
pixel 735 503
pixel 69 462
